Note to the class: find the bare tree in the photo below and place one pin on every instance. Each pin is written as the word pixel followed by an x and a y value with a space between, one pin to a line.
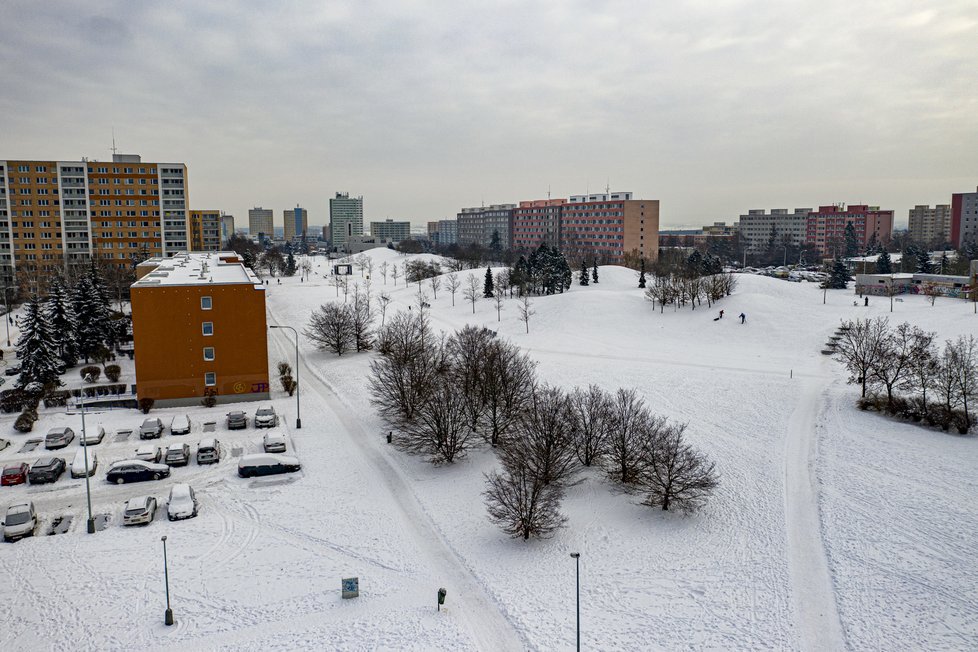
pixel 502 280
pixel 472 291
pixel 383 301
pixel 467 351
pixel 331 328
pixel 675 475
pixel 966 358
pixel 895 359
pixel 591 409
pixel 362 317
pixel 384 267
pixel 360 262
pixel 453 284
pixel 508 377
pixel 525 311
pixel 931 291
pixel 498 299
pixel 440 427
pixel 395 271
pixel 435 284
pixel 521 504
pixel 923 367
pixel 629 420
pixel 370 267
pixel 404 375
pixel 945 384
pixel 542 437
pixel 305 267
pixel 861 347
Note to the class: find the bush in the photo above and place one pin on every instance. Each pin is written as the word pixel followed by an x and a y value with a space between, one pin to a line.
pixel 112 373
pixel 146 404
pixel 210 398
pixel 91 370
pixel 25 422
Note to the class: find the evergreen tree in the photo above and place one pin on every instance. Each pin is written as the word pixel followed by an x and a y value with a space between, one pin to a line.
pixel 873 245
pixel 883 263
pixel 852 243
pixel 945 263
pixel 594 272
pixel 909 261
pixel 290 266
pixel 495 246
pixel 60 314
pixel 90 317
pixel 488 288
pixel 924 265
pixel 37 349
pixel 641 276
pixel 584 272
pixel 518 277
pixel 839 277
pixel 566 276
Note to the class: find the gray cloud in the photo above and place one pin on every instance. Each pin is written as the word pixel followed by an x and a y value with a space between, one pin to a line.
pixel 425 107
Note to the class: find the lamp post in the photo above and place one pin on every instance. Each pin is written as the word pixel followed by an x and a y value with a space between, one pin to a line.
pixel 577 561
pixel 298 421
pixel 168 614
pixel 6 312
pixel 88 489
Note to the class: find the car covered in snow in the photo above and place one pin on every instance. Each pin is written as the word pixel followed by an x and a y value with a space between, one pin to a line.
pixel 267 464
pixel 182 502
pixel 237 420
pixel 208 451
pixel 58 438
pixel 92 436
pixel 139 511
pixel 136 471
pixel 78 463
pixel 180 425
pixel 274 442
pixel 149 453
pixel 177 455
pixel 151 429
pixel 14 474
pixel 19 522
pixel 46 469
pixel 265 417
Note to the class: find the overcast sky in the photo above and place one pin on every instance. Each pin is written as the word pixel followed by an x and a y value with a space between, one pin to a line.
pixel 712 106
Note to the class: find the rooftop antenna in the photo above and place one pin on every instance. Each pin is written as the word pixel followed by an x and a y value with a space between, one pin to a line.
pixel 548 191
pixel 607 188
pixel 113 143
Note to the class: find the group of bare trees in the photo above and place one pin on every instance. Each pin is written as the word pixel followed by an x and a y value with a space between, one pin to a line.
pixel 446 395
pixel 903 372
pixel 679 289
pixel 343 327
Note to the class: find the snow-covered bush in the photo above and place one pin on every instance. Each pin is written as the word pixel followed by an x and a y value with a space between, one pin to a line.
pixel 112 373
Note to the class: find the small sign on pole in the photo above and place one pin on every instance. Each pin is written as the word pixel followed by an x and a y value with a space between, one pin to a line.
pixel 351 587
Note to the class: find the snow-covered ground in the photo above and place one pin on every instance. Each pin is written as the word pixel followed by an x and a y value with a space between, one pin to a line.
pixel 832 528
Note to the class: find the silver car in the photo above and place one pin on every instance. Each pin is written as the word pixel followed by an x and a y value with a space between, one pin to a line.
pixel 19 522
pixel 139 511
pixel 58 438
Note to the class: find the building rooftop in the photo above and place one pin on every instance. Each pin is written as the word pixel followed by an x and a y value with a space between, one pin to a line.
pixel 195 268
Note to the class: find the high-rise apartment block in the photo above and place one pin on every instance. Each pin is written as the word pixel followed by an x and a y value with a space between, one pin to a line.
pixel 759 229
pixel 260 222
pixel 536 222
pixel 296 223
pixel 964 218
pixel 57 213
pixel 481 225
pixel 227 228
pixel 610 226
pixel 345 219
pixel 390 230
pixel 930 226
pixel 826 227
pixel 205 230
pixel 443 232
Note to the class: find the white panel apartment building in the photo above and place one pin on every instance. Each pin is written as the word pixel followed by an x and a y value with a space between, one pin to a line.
pixel 261 220
pixel 345 219
pixel 930 225
pixel 757 226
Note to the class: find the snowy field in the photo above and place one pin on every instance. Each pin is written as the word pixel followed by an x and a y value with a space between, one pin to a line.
pixel 831 529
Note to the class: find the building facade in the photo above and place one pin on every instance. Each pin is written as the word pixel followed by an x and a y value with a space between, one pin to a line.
pixel 57 213
pixel 480 225
pixel 930 225
pixel 964 218
pixel 758 229
pixel 296 222
pixel 443 232
pixel 826 227
pixel 390 230
pixel 227 228
pixel 261 223
pixel 198 323
pixel 205 230
pixel 536 222
pixel 345 219
pixel 609 227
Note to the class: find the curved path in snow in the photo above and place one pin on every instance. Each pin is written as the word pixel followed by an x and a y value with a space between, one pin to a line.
pixel 481 615
pixel 812 592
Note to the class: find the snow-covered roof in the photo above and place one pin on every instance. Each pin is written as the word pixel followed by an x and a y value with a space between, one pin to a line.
pixel 196 268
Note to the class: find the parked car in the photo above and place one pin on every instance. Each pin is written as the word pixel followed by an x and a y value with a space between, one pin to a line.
pixel 265 417
pixel 274 442
pixel 19 522
pixel 136 471
pixel 78 464
pixel 92 436
pixel 180 425
pixel 46 469
pixel 14 474
pixel 266 464
pixel 151 429
pixel 182 502
pixel 237 420
pixel 58 438
pixel 177 455
pixel 12 371
pixel 139 511
pixel 149 453
pixel 208 451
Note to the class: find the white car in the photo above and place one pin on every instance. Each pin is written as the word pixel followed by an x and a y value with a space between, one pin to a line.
pixel 92 436
pixel 182 502
pixel 180 425
pixel 19 522
pixel 149 453
pixel 265 417
pixel 274 442
pixel 139 511
pixel 78 469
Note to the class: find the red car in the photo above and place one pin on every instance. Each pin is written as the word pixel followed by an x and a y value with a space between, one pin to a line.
pixel 14 474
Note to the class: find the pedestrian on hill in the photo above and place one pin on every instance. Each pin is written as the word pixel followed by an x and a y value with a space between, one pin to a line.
pixel 743 318
pixel 721 314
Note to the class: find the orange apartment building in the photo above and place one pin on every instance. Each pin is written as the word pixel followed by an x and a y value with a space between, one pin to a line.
pixel 198 322
pixel 205 230
pixel 56 213
pixel 609 226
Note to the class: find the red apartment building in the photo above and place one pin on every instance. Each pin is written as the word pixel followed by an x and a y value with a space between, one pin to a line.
pixel 536 222
pixel 826 227
pixel 964 217
pixel 608 226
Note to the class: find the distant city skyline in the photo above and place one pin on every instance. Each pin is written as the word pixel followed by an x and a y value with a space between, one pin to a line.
pixel 712 109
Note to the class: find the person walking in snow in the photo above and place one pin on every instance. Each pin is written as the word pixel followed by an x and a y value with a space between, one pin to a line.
pixel 743 318
pixel 721 314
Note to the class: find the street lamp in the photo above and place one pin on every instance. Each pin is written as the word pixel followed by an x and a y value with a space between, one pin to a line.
pixel 88 490
pixel 577 561
pixel 298 421
pixel 6 312
pixel 168 614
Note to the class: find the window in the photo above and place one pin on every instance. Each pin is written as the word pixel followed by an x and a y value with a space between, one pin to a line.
pixel 210 379
pixel 208 328
pixel 209 353
pixel 205 303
